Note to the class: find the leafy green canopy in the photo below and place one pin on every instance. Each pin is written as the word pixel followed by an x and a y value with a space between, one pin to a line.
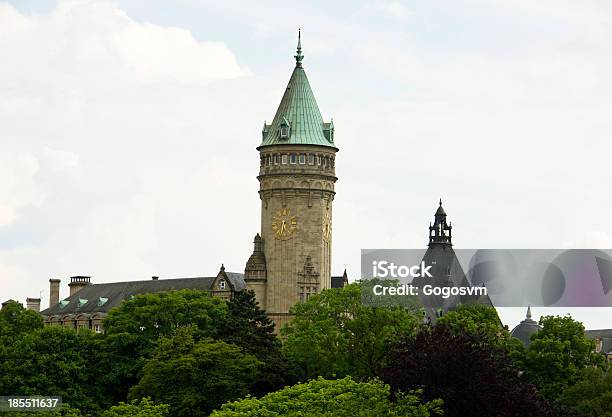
pixel 334 334
pixel 194 377
pixel 482 320
pixel 557 354
pixel 150 316
pixel 138 408
pixel 54 361
pixel 335 398
pixel 592 395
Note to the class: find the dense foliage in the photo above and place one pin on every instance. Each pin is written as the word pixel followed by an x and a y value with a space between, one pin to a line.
pixel 338 398
pixel 194 377
pixel 557 354
pixel 472 377
pixel 185 353
pixel 334 334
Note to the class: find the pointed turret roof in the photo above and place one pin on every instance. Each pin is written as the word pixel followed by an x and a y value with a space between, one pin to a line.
pixel 299 113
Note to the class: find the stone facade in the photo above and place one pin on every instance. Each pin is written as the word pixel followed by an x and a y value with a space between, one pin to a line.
pixel 296 218
pixel 292 254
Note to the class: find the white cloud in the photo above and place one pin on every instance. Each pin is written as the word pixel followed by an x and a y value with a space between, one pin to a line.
pixel 390 9
pixel 110 130
pixel 18 188
pixel 60 160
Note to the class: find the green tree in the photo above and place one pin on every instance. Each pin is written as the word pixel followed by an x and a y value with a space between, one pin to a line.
pixel 470 374
pixel 194 377
pixel 331 398
pixel 335 334
pixel 247 325
pixel 53 361
pixel 133 329
pixel 65 411
pixel 591 395
pixel 484 321
pixel 151 315
pixel 138 408
pixel 557 354
pixel 15 321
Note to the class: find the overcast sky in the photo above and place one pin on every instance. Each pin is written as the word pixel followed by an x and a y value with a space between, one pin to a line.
pixel 128 129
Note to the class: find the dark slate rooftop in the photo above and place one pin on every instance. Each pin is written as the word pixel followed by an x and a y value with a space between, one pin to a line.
pixel 95 298
pixel 339 282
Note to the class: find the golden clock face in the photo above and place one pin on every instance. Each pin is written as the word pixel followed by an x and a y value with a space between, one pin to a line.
pixel 284 223
pixel 327 227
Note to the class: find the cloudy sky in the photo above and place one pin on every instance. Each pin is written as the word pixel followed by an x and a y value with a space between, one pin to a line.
pixel 128 129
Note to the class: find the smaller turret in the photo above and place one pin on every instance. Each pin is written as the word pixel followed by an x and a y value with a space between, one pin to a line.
pixel 256 265
pixel 440 232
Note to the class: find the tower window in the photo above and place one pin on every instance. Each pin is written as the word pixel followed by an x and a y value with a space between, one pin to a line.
pixel 221 284
pixel 284 132
pixel 292 158
pixel 284 159
pixel 276 159
pixel 311 159
pixel 319 160
pixel 302 159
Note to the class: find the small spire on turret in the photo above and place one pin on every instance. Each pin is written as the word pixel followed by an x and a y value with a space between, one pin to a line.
pixel 299 57
pixel 529 312
pixel 440 231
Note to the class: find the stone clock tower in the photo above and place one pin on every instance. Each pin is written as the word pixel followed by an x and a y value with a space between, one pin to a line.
pixel 292 255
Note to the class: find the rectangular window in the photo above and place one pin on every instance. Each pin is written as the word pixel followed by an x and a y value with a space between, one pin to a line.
pixel 319 160
pixel 276 159
pixel 292 158
pixel 97 328
pixel 284 159
pixel 284 132
pixel 311 159
pixel 302 159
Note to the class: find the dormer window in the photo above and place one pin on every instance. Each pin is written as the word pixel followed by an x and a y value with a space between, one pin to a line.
pixel 283 132
pixel 221 284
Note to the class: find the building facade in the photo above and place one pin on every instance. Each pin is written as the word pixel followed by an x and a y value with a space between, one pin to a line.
pixel 446 271
pixel 89 303
pixel 291 258
pixel 292 254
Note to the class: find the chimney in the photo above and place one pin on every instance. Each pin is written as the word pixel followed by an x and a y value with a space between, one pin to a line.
pixel 76 283
pixel 154 278
pixel 33 304
pixel 54 285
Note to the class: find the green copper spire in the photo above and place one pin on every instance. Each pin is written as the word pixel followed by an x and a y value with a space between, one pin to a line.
pixel 299 57
pixel 298 119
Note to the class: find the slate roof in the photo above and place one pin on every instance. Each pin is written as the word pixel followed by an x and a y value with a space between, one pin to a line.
pixel 446 271
pixel 101 298
pixel 298 108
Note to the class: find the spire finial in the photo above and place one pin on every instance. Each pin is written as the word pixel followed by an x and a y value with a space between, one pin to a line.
pixel 299 56
pixel 529 312
pixel 440 202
